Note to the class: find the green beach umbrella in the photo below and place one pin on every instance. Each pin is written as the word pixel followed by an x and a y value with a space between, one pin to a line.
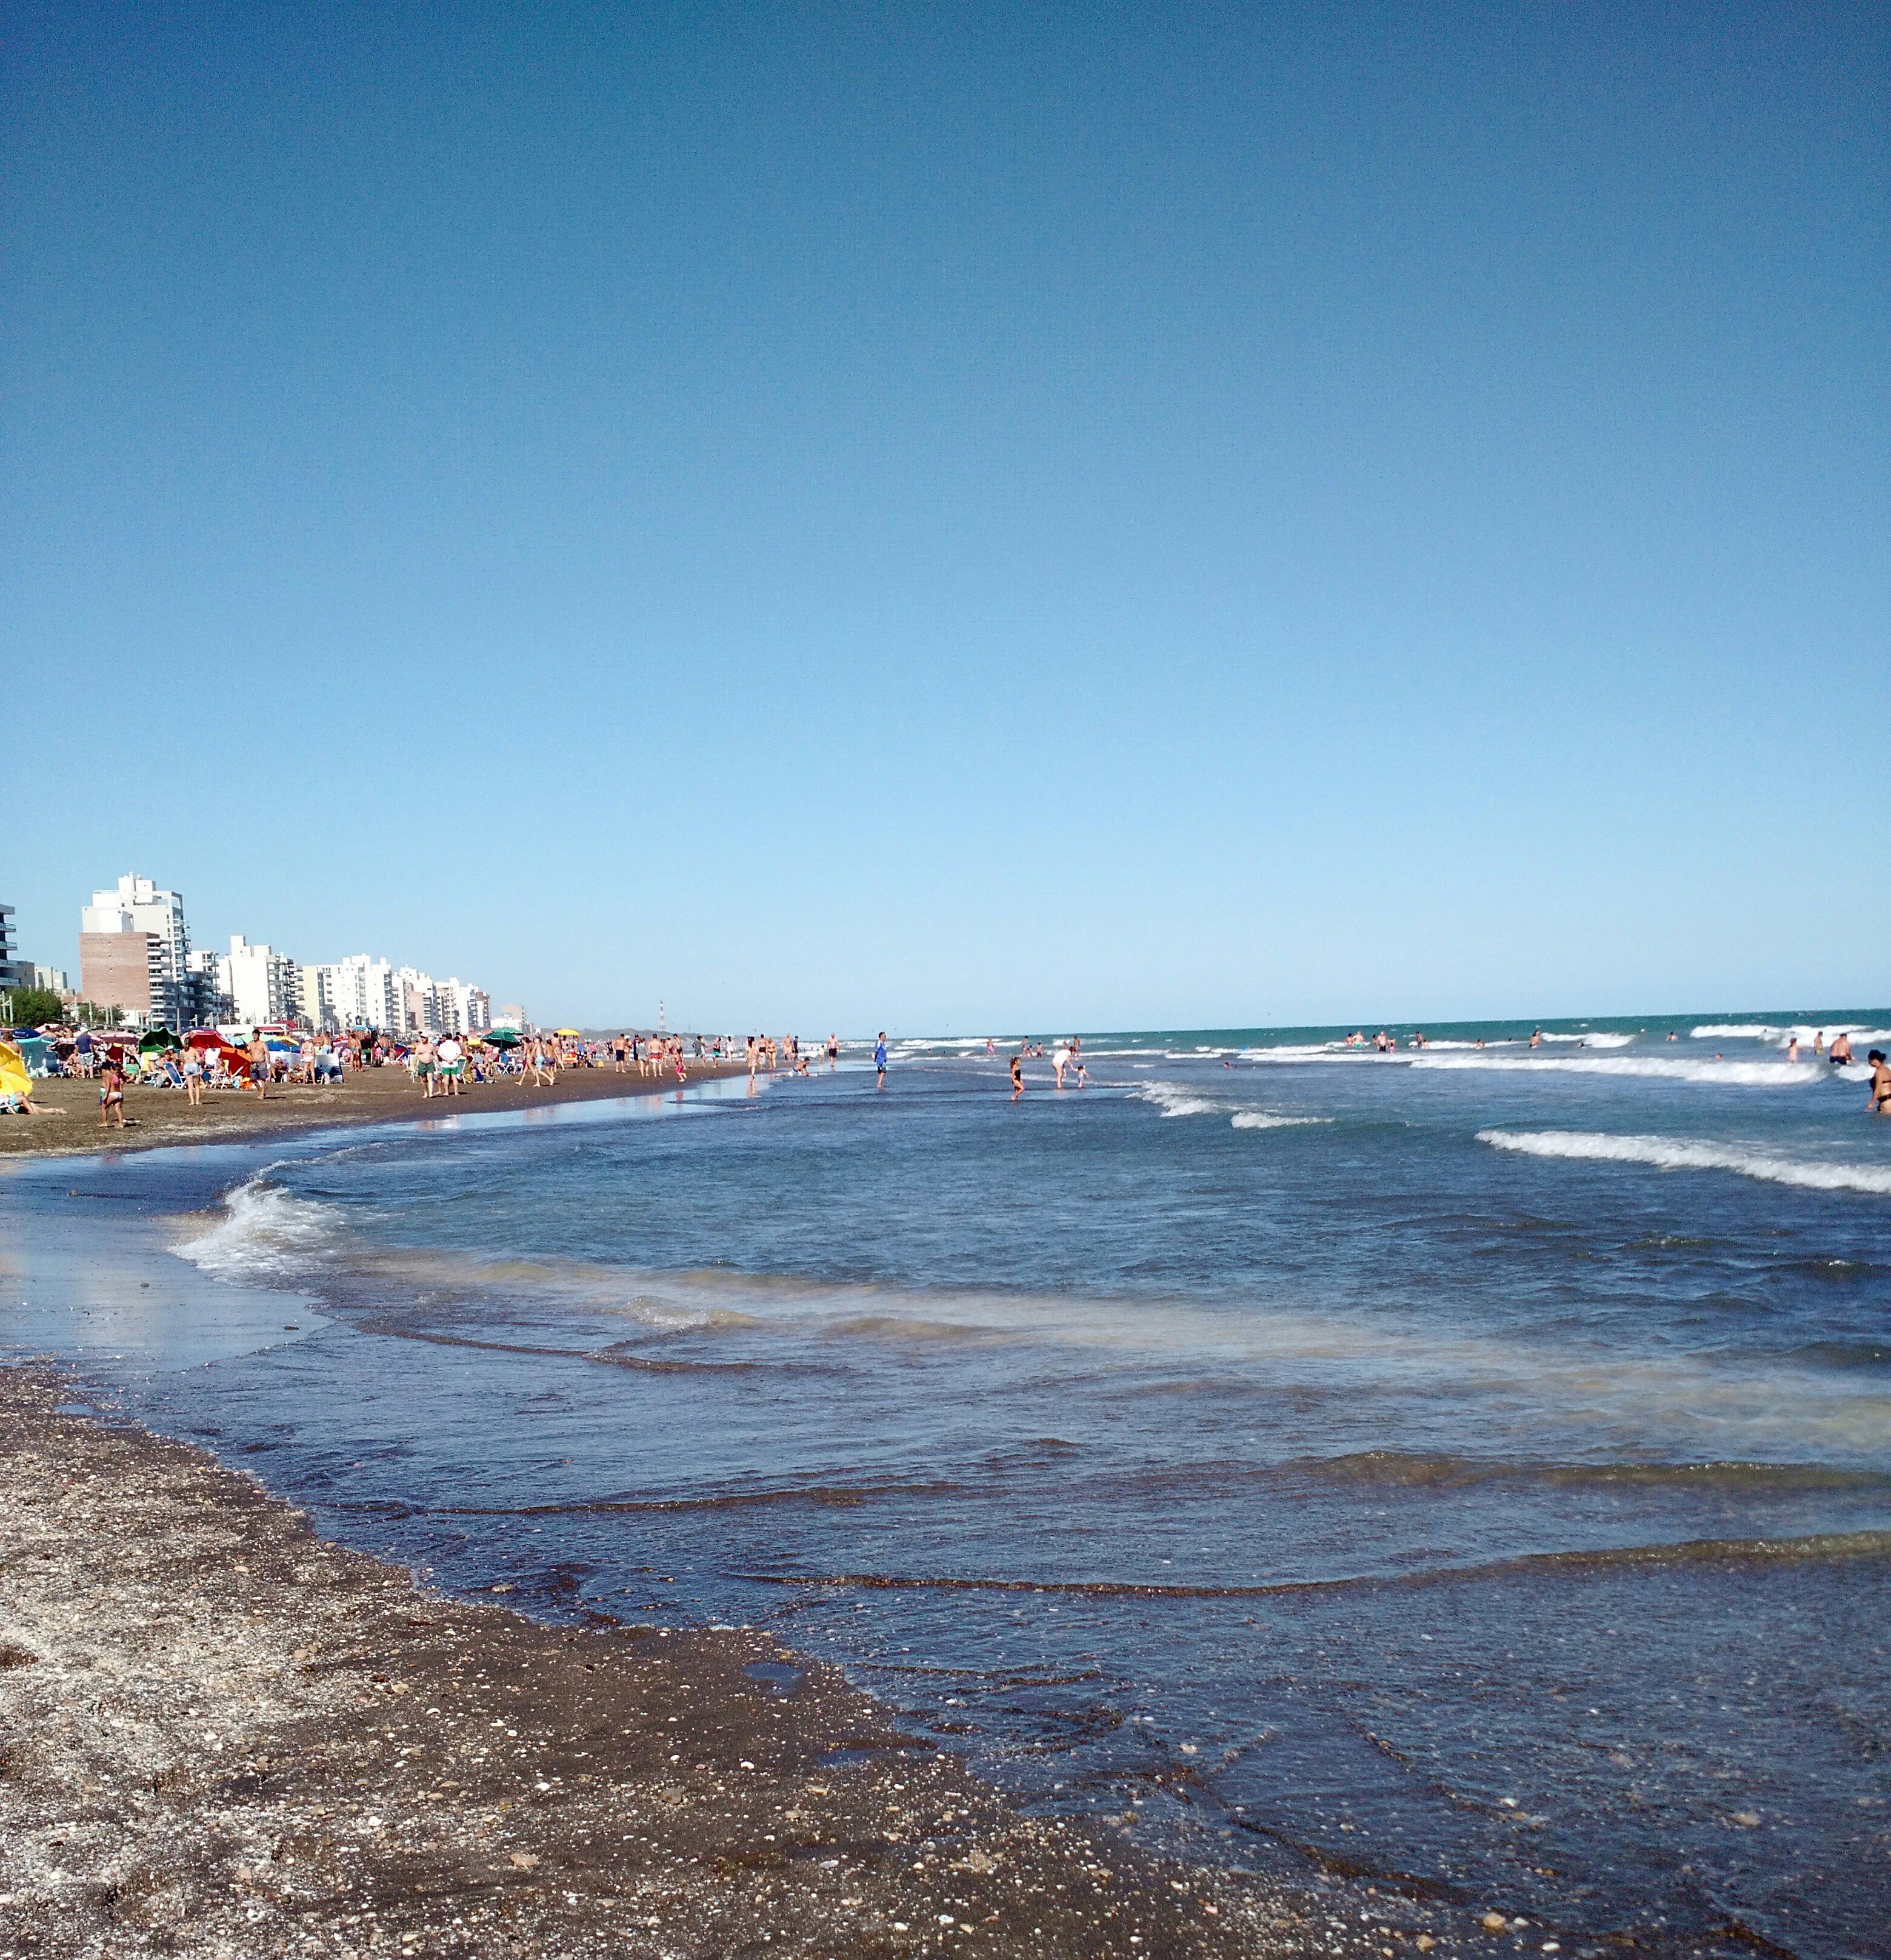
pixel 157 1042
pixel 503 1038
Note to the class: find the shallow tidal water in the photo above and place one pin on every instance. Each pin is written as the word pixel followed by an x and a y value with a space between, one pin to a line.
pixel 1472 1470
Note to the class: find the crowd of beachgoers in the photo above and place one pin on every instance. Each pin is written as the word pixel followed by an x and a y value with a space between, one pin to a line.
pixel 444 1064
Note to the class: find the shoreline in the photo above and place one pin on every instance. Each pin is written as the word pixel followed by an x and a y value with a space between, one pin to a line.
pixel 159 1118
pixel 220 1733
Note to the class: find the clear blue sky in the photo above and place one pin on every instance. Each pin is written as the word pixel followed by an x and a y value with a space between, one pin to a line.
pixel 978 517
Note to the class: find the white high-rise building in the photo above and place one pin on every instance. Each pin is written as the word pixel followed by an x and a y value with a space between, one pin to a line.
pixel 313 999
pixel 261 983
pixel 425 1007
pixel 472 1008
pixel 360 992
pixel 139 907
pixel 210 1005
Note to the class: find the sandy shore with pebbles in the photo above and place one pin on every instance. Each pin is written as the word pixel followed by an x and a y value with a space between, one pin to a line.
pixel 154 1118
pixel 220 1735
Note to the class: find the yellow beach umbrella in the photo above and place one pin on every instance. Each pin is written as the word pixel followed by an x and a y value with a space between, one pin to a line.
pixel 568 1034
pixel 15 1078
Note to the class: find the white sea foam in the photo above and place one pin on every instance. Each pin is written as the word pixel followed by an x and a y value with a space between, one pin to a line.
pixel 262 1232
pixel 1724 1074
pixel 1588 1040
pixel 1678 1153
pixel 1297 1051
pixel 1174 1099
pixel 1785 1031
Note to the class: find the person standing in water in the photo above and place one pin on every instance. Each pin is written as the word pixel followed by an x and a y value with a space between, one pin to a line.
pixel 1880 1103
pixel 880 1060
pixel 1017 1076
pixel 1840 1050
pixel 833 1052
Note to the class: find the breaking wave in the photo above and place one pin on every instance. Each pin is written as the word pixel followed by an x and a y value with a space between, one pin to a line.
pixel 262 1233
pixel 1785 1031
pixel 1675 1154
pixel 1173 1099
pixel 1724 1074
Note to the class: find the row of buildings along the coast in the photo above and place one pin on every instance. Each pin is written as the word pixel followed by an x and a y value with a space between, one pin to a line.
pixel 135 955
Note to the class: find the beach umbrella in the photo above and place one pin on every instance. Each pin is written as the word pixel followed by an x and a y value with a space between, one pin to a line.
pixel 278 1047
pixel 14 1080
pixel 503 1038
pixel 568 1034
pixel 157 1042
pixel 206 1038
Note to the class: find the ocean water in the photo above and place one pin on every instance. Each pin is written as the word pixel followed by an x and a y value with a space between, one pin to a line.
pixel 1471 1470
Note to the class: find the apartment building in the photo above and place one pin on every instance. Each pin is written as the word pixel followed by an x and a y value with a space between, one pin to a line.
pixel 472 1008
pixel 12 972
pixel 357 992
pixel 134 953
pixel 260 983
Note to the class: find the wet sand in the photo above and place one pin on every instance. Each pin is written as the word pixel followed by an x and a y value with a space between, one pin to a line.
pixel 221 1735
pixel 155 1118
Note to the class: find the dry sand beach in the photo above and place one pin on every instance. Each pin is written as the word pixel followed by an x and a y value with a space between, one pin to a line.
pixel 68 1119
pixel 222 1735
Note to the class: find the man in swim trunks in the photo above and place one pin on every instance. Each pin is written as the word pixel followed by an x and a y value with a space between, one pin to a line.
pixel 259 1067
pixel 1840 1050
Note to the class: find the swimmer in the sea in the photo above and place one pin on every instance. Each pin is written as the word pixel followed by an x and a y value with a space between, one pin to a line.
pixel 1840 1050
pixel 1017 1076
pixel 1880 1103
